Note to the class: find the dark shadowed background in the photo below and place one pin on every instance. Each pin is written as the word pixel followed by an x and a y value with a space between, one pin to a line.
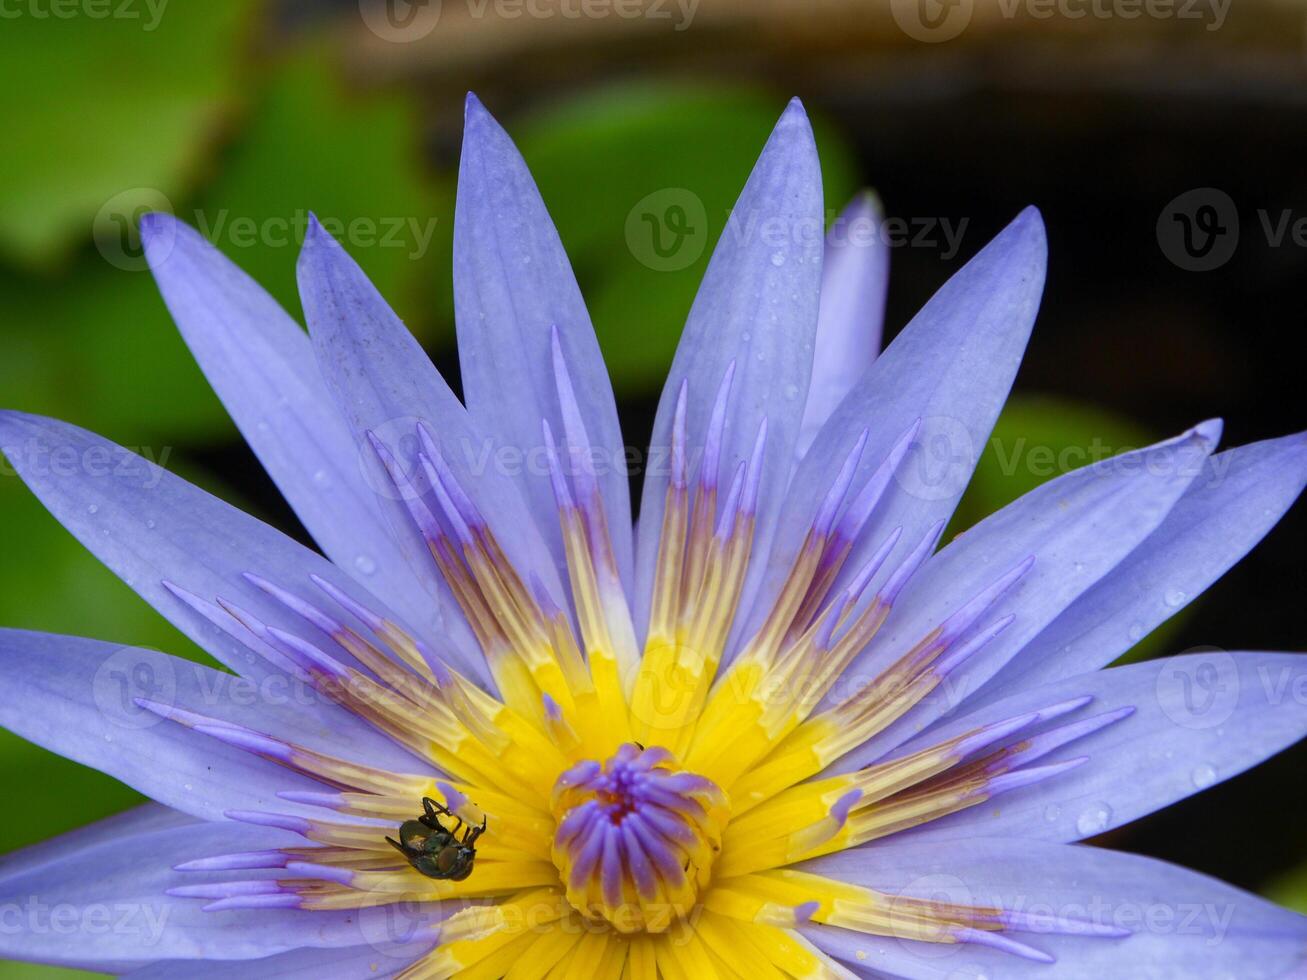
pixel 1163 141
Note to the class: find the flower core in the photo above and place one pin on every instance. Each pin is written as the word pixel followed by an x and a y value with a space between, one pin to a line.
pixel 636 837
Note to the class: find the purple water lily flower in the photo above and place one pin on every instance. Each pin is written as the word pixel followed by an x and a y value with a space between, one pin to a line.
pixel 777 730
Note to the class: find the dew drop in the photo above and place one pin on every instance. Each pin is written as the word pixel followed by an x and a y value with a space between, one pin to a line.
pixel 1136 631
pixel 322 478
pixel 1052 812
pixel 777 258
pixel 1203 776
pixel 151 524
pixel 1174 597
pixel 1078 566
pixel 365 564
pixel 791 391
pixel 93 509
pixel 1094 820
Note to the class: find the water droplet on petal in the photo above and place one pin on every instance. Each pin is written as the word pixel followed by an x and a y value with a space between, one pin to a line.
pixel 365 564
pixel 1203 776
pixel 1174 597
pixel 151 524
pixel 1052 812
pixel 777 258
pixel 322 479
pixel 1136 631
pixel 1094 820
pixel 93 509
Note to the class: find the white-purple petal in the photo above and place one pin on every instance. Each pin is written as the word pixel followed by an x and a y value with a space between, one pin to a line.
pixel 1181 924
pixel 513 287
pixel 261 366
pixel 1198 719
pixel 1238 498
pixel 854 278
pixel 757 307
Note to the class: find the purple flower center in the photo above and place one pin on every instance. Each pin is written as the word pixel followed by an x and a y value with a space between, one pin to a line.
pixel 636 837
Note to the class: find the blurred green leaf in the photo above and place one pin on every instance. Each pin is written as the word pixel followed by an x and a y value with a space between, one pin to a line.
pixel 353 160
pixel 1290 889
pixel 99 349
pixel 665 147
pixel 35 971
pixel 101 105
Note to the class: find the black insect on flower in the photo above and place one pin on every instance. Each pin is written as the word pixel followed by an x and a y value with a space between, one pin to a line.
pixel 435 850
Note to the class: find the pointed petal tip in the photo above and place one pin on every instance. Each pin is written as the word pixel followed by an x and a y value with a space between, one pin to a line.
pixel 865 206
pixel 794 123
pixel 478 122
pixel 315 237
pixel 155 223
pixel 1209 431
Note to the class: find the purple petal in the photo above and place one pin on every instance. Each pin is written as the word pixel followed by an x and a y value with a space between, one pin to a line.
pixel 379 959
pixel 1181 924
pixel 138 820
pixel 513 286
pixel 78 697
pixel 757 307
pixel 151 527
pixel 113 908
pixel 261 365
pixel 1237 498
pixel 1077 527
pixel 854 278
pixel 386 385
pixel 1198 719
pixel 950 368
